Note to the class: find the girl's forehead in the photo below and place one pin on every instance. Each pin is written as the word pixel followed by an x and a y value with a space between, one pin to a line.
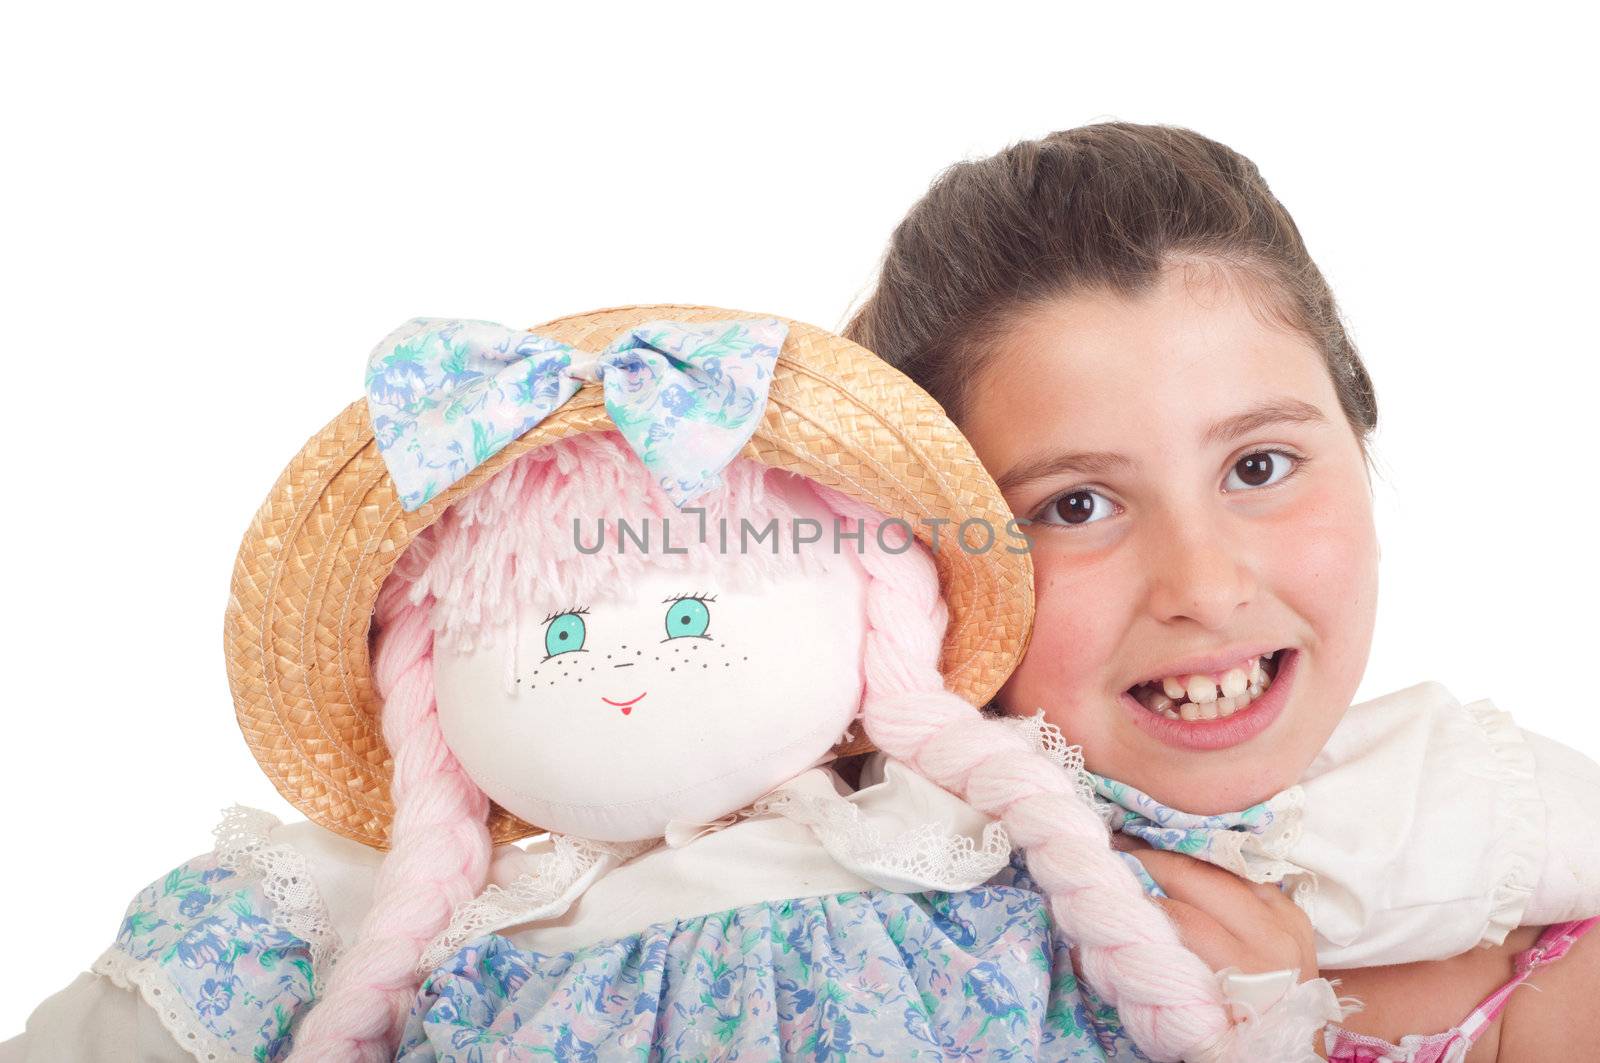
pixel 1101 371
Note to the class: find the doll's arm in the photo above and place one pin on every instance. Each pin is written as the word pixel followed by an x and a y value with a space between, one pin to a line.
pixel 217 959
pixel 91 1021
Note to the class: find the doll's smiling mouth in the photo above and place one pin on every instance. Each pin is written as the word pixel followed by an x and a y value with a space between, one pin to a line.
pixel 625 706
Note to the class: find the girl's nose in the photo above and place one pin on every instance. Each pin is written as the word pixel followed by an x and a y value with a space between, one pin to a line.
pixel 1199 572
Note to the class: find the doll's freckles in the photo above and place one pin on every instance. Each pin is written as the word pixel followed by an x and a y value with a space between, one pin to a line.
pixel 694 644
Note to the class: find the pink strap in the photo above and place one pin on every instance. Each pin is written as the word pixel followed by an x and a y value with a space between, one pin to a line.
pixel 1551 946
pixel 1345 1047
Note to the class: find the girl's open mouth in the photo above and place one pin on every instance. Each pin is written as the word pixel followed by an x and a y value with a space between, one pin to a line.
pixel 1209 697
pixel 1215 711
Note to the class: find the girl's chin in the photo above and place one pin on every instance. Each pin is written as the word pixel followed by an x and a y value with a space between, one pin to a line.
pixel 1228 793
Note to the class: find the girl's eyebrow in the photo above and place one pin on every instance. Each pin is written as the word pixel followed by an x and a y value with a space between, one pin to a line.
pixel 1259 416
pixel 1091 462
pixel 1100 462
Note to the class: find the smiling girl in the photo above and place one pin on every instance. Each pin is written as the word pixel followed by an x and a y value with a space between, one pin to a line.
pixel 1127 326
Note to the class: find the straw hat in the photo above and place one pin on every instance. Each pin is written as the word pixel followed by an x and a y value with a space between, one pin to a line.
pixel 308 572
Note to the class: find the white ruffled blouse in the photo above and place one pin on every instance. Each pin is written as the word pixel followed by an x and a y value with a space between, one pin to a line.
pixel 1423 828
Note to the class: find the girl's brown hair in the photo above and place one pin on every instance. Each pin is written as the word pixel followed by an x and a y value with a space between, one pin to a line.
pixel 1101 207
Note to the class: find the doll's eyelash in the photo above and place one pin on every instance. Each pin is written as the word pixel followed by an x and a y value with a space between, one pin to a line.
pixel 697 596
pixel 577 610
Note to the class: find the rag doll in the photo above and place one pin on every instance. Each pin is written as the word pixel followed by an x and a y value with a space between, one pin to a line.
pixel 638 605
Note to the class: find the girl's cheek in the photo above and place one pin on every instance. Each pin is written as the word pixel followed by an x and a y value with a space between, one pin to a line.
pixel 1074 636
pixel 1327 555
pixel 1324 567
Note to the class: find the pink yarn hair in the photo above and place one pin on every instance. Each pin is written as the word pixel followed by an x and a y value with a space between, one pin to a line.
pixel 440 849
pixel 438 856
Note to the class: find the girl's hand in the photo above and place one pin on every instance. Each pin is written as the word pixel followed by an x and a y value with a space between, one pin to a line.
pixel 1225 920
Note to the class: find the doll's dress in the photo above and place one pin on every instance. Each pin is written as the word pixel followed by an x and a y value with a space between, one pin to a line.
pixel 828 924
pixel 834 926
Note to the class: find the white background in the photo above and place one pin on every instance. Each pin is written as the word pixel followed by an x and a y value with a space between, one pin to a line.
pixel 212 214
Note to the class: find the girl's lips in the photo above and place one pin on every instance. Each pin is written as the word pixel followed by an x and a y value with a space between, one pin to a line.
pixel 1220 734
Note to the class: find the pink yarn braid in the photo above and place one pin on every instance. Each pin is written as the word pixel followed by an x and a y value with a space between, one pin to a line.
pixel 1129 951
pixel 438 857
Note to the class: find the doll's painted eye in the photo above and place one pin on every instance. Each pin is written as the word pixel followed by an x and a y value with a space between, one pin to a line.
pixel 688 617
pixel 564 634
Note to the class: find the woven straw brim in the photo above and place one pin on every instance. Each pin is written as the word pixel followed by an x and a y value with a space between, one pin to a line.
pixel 309 568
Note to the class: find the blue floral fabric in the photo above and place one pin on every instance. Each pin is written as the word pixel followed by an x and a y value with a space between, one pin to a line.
pixel 204 933
pixel 969 976
pixel 854 976
pixel 444 395
pixel 1251 843
pixel 1078 1024
pixel 1162 827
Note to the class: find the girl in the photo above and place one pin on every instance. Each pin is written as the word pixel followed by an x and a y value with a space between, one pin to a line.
pixel 1126 324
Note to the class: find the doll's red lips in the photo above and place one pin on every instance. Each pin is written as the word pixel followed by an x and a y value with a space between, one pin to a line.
pixel 625 706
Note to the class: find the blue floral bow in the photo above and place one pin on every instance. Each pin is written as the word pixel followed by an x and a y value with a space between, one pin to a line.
pixel 445 395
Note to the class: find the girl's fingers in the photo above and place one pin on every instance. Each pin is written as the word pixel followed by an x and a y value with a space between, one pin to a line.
pixel 1210 889
pixel 1203 935
pixel 1221 914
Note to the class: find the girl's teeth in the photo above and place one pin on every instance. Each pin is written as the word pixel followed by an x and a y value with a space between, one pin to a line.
pixel 1204 697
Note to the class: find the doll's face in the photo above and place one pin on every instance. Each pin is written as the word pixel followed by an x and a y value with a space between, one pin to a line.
pixel 673 699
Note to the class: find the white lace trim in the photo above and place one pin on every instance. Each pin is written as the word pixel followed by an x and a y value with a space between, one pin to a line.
pixel 146 978
pixel 1047 738
pixel 527 895
pixel 927 855
pixel 1283 1032
pixel 244 846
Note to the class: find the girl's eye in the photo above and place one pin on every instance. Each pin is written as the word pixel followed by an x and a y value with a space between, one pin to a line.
pixel 1082 506
pixel 564 634
pixel 688 617
pixel 1259 469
